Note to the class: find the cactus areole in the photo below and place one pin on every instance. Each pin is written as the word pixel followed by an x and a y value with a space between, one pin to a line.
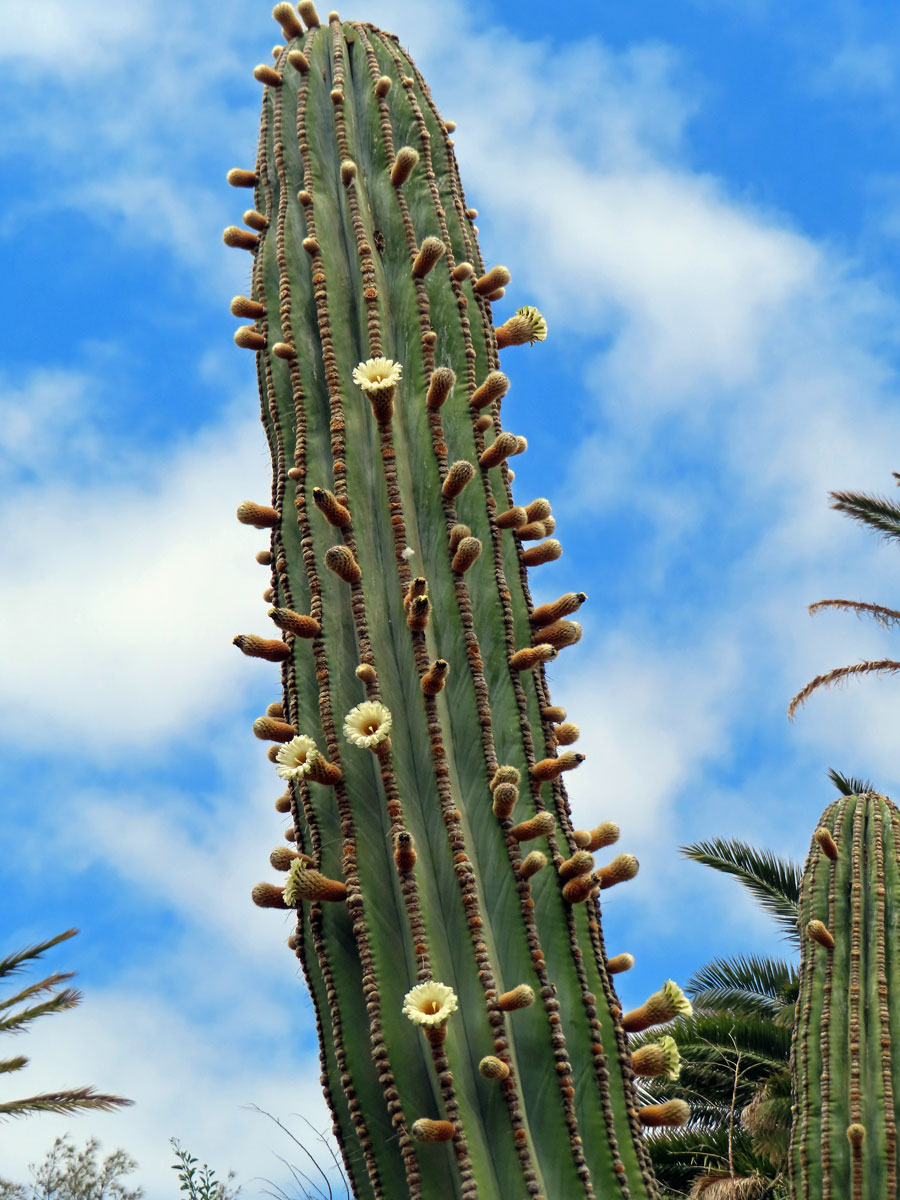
pixel 846 1048
pixel 427 950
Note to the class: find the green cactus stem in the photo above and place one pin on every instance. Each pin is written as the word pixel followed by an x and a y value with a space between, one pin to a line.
pixel 846 1044
pixel 471 1041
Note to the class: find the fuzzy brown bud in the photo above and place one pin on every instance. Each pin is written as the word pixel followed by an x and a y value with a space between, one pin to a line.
pixel 417 587
pixel 459 474
pixel 334 512
pixel 566 734
pixel 419 612
pixel 619 963
pixel 492 1067
pixel 532 863
pixel 532 531
pixel 505 797
pixel 542 553
pixel 243 306
pixel 269 729
pixel 382 86
pixel 552 768
pixel 426 1130
pixel 284 350
pixel 456 535
pixel 554 713
pixel 440 387
pixel 519 997
pixel 826 844
pixel 298 61
pixel 257 647
pixel 248 338
pixel 513 518
pixel 404 852
pixel 258 515
pixel 267 75
pixel 559 635
pixel 467 552
pixel 286 17
pixel 462 270
pixel 282 857
pixel 537 826
pixel 581 863
pixel 297 623
pixel 817 931
pixel 340 560
pixel 549 614
pixel 497 277
pixel 622 868
pixel 404 162
pixel 433 680
pixel 577 890
pixel 256 220
pixel 505 774
pixel 672 1113
pixel 348 172
pixel 238 177
pixel 531 657
pixel 494 388
pixel 268 895
pixel 307 11
pixel 500 448
pixel 604 834
pixel 430 253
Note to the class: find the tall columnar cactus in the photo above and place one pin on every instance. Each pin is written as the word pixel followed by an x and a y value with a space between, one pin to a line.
pixel 846 1050
pixel 448 923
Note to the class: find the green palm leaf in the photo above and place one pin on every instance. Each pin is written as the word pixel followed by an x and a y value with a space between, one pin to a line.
pixel 849 785
pixel 772 880
pixel 71 1101
pixel 15 962
pixel 748 985
pixel 877 512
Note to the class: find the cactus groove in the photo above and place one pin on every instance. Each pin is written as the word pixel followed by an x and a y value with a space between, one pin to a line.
pixel 845 1071
pixel 401 598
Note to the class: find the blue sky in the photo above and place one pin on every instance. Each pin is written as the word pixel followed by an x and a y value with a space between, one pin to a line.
pixel 703 198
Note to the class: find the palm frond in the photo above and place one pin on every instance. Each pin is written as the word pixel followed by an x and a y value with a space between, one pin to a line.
pixel 881 666
pixel 772 880
pixel 886 617
pixel 73 1101
pixel 849 785
pixel 35 989
pixel 678 1155
pixel 14 962
pixel 877 512
pixel 748 985
pixel 67 998
pixel 730 1187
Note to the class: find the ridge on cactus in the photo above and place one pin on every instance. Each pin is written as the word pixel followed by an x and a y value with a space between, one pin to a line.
pixel 438 879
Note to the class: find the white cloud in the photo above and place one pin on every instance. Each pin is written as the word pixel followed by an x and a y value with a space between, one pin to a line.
pixel 127 596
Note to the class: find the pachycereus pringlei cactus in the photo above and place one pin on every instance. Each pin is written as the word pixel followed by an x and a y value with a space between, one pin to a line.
pixel 447 916
pixel 846 1049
